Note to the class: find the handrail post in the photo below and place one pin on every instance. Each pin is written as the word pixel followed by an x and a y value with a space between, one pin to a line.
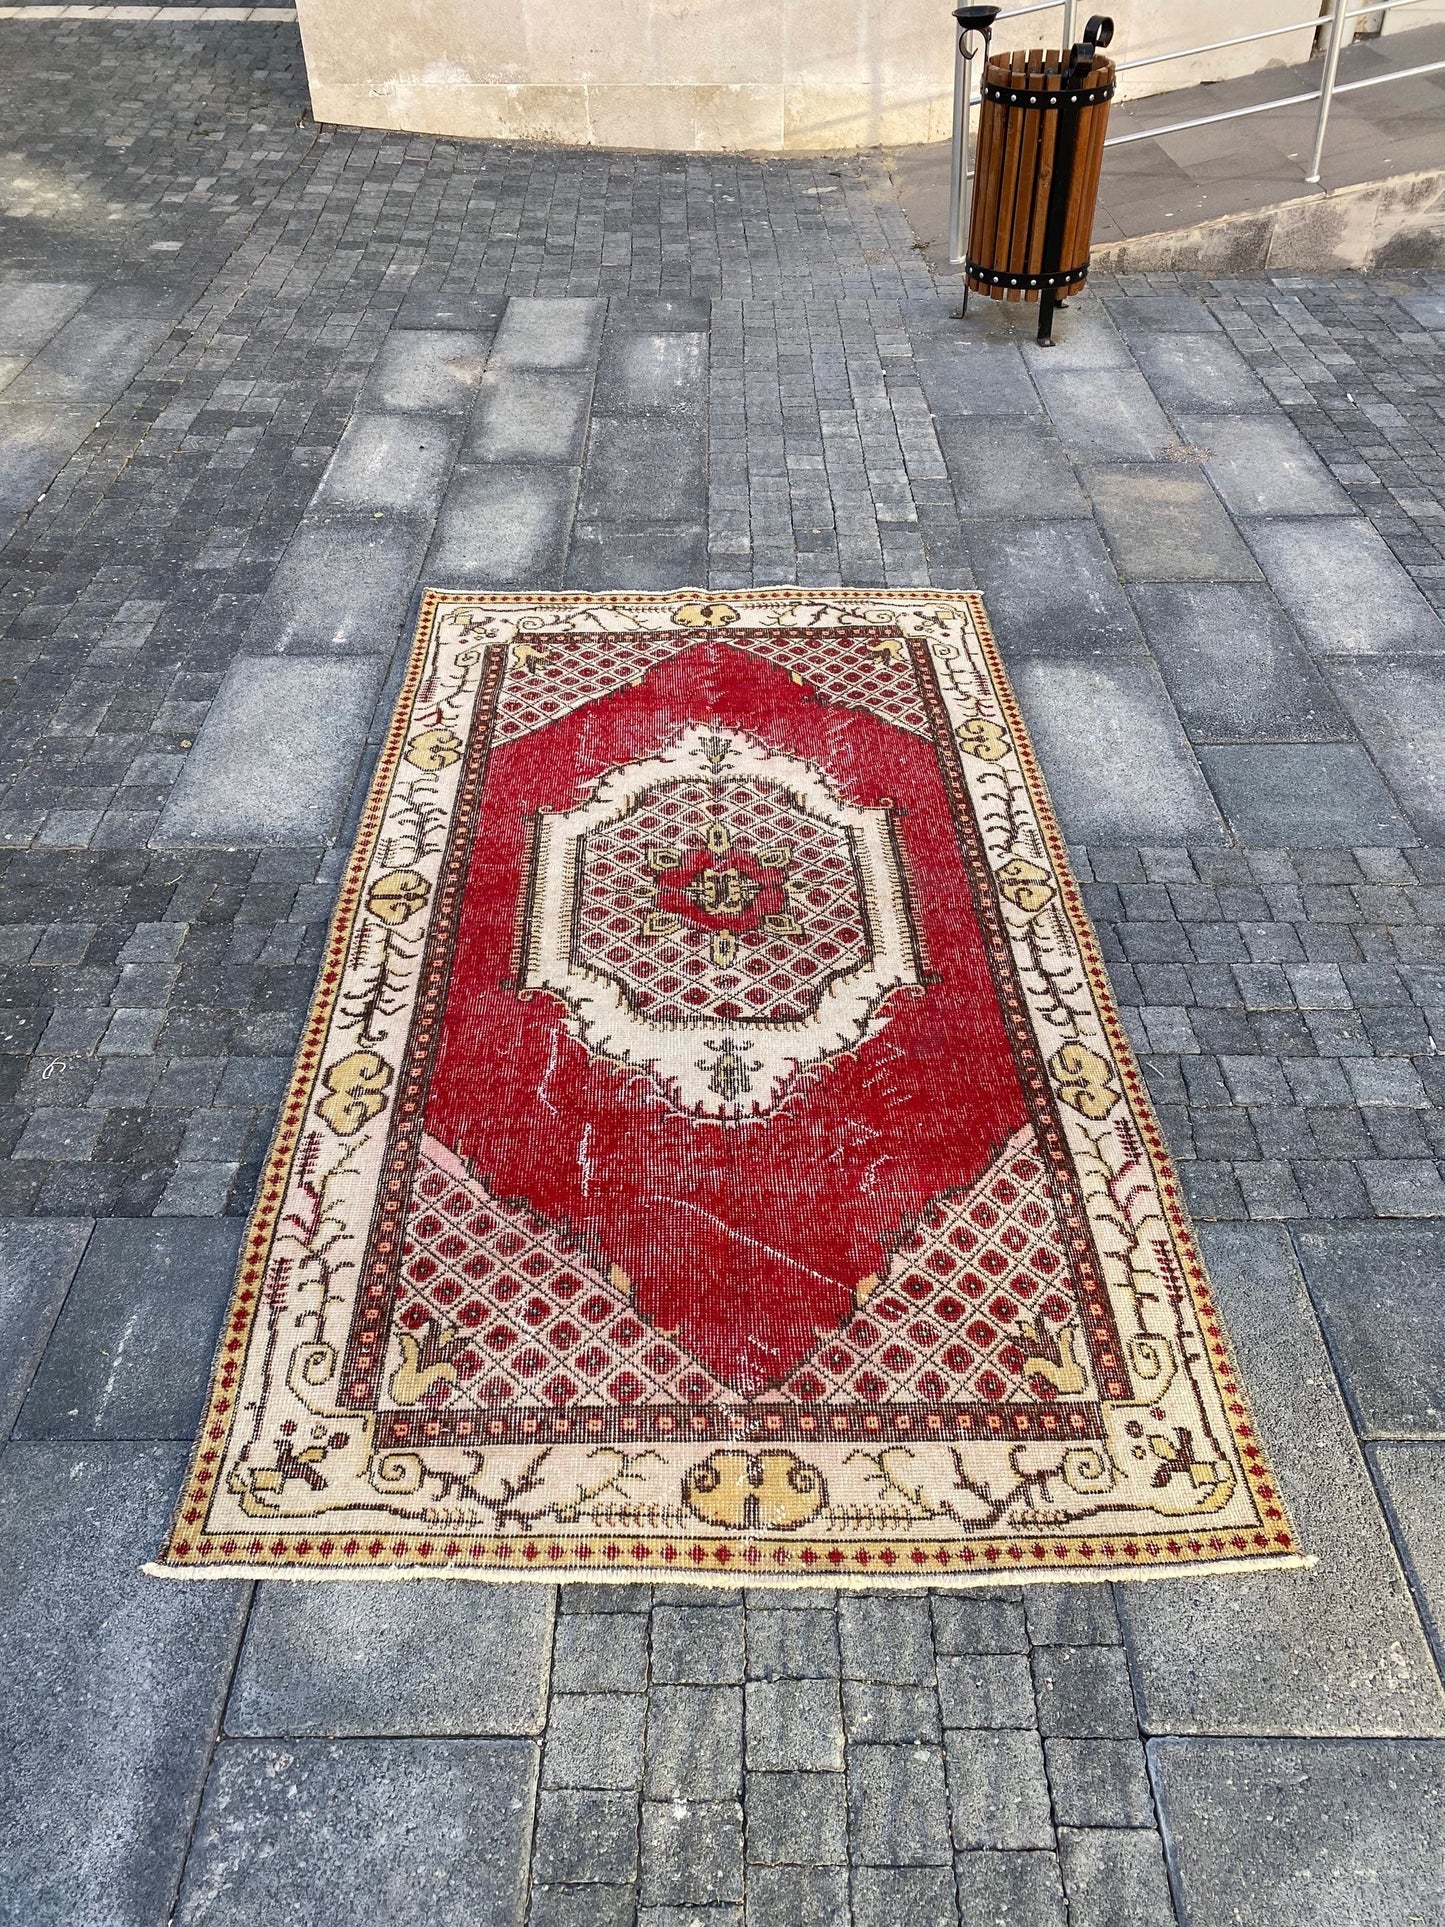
pixel 1339 19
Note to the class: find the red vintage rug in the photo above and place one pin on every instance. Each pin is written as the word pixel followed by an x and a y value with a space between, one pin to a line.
pixel 714 1152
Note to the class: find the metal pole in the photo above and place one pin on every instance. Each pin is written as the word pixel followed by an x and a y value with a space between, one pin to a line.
pixel 958 194
pixel 1066 32
pixel 1338 21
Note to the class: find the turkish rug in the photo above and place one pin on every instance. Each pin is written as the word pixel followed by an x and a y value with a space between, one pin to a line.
pixel 713 1151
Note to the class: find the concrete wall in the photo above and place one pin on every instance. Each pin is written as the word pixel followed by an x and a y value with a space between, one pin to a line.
pixel 708 75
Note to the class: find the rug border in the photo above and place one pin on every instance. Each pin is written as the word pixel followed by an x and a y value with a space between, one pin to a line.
pixel 1002 1561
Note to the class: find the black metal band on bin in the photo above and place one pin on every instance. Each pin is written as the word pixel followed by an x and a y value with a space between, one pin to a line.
pixel 1009 97
pixel 995 278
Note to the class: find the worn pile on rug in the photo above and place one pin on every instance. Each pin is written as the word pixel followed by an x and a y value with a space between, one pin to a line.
pixel 713 1150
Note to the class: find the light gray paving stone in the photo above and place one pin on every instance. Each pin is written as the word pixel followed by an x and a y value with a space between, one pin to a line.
pixel 1351 1831
pixel 1233 665
pixel 1427 309
pixel 606 555
pixel 1377 1290
pixel 1262 465
pixel 1114 1877
pixel 643 470
pixel 798 1819
pixel 1399 708
pixel 1164 523
pixel 794 1725
pixel 434 372
pixel 1335 1649
pixel 502 526
pixel 303 1832
pixel 397 463
pixel 342 588
pixel 530 415
pixel 1164 313
pixel 91 359
pixel 129 1354
pixel 692 1855
pixel 1084 336
pixel 886 1896
pixel 974 378
pixel 111 1684
pixel 32 310
pixel 1009 468
pixel 1102 419
pixel 1196 374
pixel 538 332
pixel 277 754
pixel 898 1806
pixel 1119 766
pixel 1099 1783
pixel 1303 796
pixel 37 439
pixel 1411 1477
pixel 694 1742
pixel 38 1260
pixel 1052 590
pixel 10 366
pixel 998 1791
pixel 797 1896
pixel 1343 588
pixel 457 1660
pixel 1011 1889
pixel 652 374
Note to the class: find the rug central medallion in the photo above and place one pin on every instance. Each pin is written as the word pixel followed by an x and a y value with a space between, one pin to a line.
pixel 714 1150
pixel 719 917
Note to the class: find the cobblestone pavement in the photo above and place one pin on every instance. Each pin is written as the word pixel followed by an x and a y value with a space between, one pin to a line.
pixel 258 381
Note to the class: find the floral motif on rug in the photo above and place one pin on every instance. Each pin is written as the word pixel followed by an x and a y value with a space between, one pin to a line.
pixel 713 1150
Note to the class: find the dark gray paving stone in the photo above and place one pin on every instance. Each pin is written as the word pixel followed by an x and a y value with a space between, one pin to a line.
pixel 662 374
pixel 1411 1476
pixel 797 1896
pixel 31 311
pixel 593 1739
pixel 1303 796
pixel 450 308
pixel 37 439
pixel 986 1689
pixel 111 1684
pixel 131 1350
pixel 530 415
pixel 898 1806
pixel 598 1652
pixel 586 1837
pixel 342 588
pixel 1344 589
pixel 1083 1690
pixel 1081 1615
pixel 1234 666
pixel 1399 708
pixel 1114 1878
pixel 798 1819
pixel 502 526
pixel 1335 1649
pixel 1151 314
pixel 1165 524
pixel 875 1713
pixel 1196 374
pixel 590 1906
pixel 1119 767
pixel 304 1833
pixel 1262 465
pixel 976 378
pixel 659 314
pixel 38 1260
pixel 965 1623
pixel 1377 1288
pixel 92 359
pixel 277 754
pixel 886 1638
pixel 998 1791
pixel 537 332
pixel 1099 420
pixel 1352 1831
pixel 641 470
pixel 887 1896
pixel 697 1645
pixel 461 1660
pixel 1018 1889
pixel 694 1742
pixel 1009 468
pixel 792 1644
pixel 794 1725
pixel 692 1856
pixel 433 371
pixel 396 463
pixel 665 556
pixel 1099 1783
pixel 1052 590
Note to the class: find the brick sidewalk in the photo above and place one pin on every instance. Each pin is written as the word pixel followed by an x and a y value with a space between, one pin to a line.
pixel 266 380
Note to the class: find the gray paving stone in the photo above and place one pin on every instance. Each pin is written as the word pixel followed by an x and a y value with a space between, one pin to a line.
pixel 589 1906
pixel 1118 765
pixel 1427 309
pixel 599 1652
pixel 1164 523
pixel 694 1742
pixel 1404 1187
pixel 31 311
pixel 1399 708
pixel 697 1645
pixel 111 1685
pixel 1377 1290
pixel 91 359
pixel 1234 666
pixel 641 470
pixel 502 526
pixel 692 1855
pixel 594 1740
pixel 1344 589
pixel 652 374
pixel 1098 420
pixel 986 1689
pixel 1304 796
pixel 792 1644
pixel 886 1637
pixel 1114 1877
pixel 1008 468
pixel 1336 1649
pixel 797 1896
pixel 798 1819
pixel 1328 1832
pixel 998 1791
pixel 1015 1889
pixel 1084 337
pixel 342 588
pixel 1411 1478
pixel 585 1837
pixel 303 1832
pixel 604 555
pixel 974 378
pixel 459 1660
pixel 397 463
pixel 877 1714
pixel 37 439
pixel 1052 590
pixel 886 1896
pixel 530 415
pixel 897 1806
pixel 1262 465
pixel 1149 314
pixel 968 1623
pixel 431 372
pixel 276 756
pixel 659 314
pixel 1084 1690
pixel 129 1354
pixel 1196 375
pixel 1099 1783
pixel 1081 1615
pixel 38 1260
pixel 547 333
pixel 794 1725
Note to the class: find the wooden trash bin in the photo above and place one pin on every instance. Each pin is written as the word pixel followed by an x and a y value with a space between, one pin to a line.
pixel 1036 172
